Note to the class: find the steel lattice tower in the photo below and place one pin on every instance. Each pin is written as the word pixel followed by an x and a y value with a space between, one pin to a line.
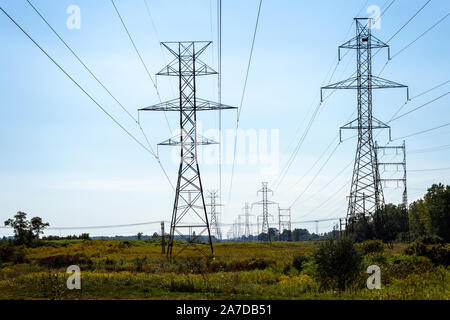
pixel 214 214
pixel 284 220
pixel 366 195
pixel 265 202
pixel 189 204
pixel 247 216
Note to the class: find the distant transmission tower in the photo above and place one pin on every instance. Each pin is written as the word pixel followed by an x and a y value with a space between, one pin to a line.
pixel 189 202
pixel 214 214
pixel 265 208
pixel 247 216
pixel 366 195
pixel 284 220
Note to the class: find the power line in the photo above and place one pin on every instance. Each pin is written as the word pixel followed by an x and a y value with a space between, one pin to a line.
pixel 427 170
pixel 407 22
pixel 423 34
pixel 141 59
pixel 424 131
pixel 412 42
pixel 91 73
pixel 432 149
pixel 219 87
pixel 314 115
pixel 86 93
pixel 317 174
pixel 242 99
pixel 419 107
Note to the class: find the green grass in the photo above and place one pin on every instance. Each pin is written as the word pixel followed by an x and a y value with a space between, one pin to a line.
pixel 116 269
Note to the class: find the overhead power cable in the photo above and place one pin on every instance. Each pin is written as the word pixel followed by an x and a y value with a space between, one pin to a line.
pixel 243 97
pixel 141 59
pixel 91 73
pixel 424 131
pixel 149 150
pixel 419 107
pixel 407 22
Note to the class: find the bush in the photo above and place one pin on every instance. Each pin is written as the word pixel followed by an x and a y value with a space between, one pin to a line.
pixel 430 239
pixel 242 265
pixel 60 261
pixel 375 258
pixel 10 253
pixel 298 261
pixel 438 254
pixel 371 246
pixel 338 263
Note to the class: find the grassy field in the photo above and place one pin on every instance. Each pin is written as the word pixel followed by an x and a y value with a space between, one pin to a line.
pixel 117 269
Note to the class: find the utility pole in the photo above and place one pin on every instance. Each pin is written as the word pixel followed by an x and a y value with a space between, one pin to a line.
pixel 216 231
pixel 163 239
pixel 284 220
pixel 366 194
pixel 189 204
pixel 265 208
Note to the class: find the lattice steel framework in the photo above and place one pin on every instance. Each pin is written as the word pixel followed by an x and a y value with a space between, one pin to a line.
pixel 216 230
pixel 284 220
pixel 265 202
pixel 247 216
pixel 398 150
pixel 189 204
pixel 366 194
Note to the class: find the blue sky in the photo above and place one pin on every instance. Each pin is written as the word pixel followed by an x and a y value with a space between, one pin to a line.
pixel 62 159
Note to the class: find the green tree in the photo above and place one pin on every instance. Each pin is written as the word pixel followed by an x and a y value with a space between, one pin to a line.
pixel 26 231
pixel 37 227
pixel 21 226
pixel 419 219
pixel 139 235
pixel 437 201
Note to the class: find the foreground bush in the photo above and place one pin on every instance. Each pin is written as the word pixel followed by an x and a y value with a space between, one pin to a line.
pixel 338 263
pixel 298 261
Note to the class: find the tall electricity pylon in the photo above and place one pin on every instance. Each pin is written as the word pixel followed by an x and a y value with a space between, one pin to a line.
pixel 284 220
pixel 265 202
pixel 189 204
pixel 366 199
pixel 216 231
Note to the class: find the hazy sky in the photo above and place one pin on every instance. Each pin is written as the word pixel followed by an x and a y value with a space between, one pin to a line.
pixel 64 160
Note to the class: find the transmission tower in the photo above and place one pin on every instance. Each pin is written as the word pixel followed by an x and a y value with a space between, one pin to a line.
pixel 247 216
pixel 284 220
pixel 189 204
pixel 265 202
pixel 366 194
pixel 214 214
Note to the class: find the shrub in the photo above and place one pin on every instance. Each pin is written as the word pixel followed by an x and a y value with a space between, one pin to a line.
pixel 439 254
pixel 371 246
pixel 430 239
pixel 63 260
pixel 375 258
pixel 298 261
pixel 242 265
pixel 338 263
pixel 10 253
